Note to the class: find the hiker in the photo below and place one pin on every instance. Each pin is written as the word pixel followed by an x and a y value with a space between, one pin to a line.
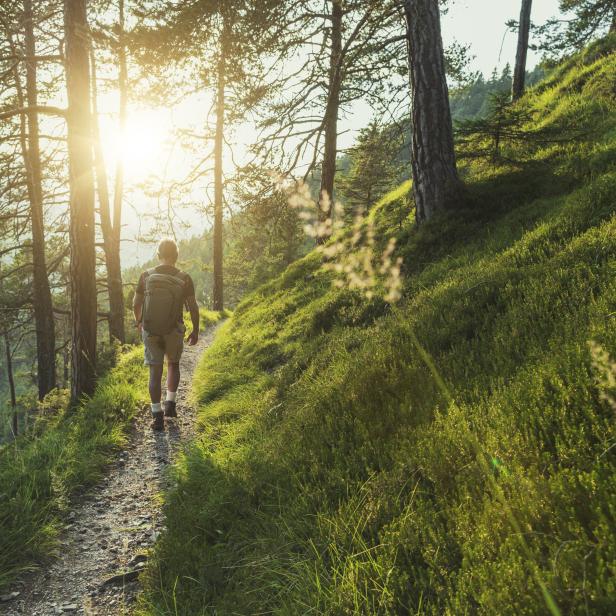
pixel 160 297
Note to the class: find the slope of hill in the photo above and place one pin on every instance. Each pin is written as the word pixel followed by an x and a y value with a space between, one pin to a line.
pixel 453 454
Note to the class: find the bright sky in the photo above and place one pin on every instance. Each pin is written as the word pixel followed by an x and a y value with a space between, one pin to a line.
pixel 145 147
pixel 481 23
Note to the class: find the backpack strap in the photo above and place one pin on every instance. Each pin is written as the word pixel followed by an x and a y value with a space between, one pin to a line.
pixel 179 274
pixel 184 276
pixel 147 273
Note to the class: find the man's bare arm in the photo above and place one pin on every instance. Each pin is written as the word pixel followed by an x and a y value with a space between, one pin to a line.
pixel 193 309
pixel 138 307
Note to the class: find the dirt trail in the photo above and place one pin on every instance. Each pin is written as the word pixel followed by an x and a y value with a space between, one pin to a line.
pixel 112 526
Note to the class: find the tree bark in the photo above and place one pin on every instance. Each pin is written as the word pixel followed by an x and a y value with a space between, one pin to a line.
pixel 519 73
pixel 111 247
pixel 11 381
pixel 328 169
pixel 218 298
pixel 41 293
pixel 81 230
pixel 45 109
pixel 436 185
pixel 114 264
pixel 66 354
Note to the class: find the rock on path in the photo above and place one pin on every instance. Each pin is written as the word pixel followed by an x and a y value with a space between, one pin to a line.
pixel 113 526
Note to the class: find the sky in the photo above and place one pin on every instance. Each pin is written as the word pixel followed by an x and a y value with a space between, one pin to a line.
pixel 478 23
pixel 481 23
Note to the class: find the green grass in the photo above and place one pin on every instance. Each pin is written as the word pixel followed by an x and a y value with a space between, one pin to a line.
pixel 212 317
pixel 452 455
pixel 67 452
pixel 207 318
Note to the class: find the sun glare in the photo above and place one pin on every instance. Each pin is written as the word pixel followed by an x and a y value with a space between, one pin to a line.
pixel 140 147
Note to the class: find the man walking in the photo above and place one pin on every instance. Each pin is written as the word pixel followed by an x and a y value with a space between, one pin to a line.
pixel 160 298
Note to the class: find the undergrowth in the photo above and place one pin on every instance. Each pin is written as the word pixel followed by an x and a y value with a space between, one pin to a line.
pixel 66 452
pixel 452 455
pixel 208 318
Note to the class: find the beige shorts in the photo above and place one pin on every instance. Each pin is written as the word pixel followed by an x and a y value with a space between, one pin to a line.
pixel 170 345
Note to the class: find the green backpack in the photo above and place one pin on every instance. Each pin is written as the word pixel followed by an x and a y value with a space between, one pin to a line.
pixel 164 302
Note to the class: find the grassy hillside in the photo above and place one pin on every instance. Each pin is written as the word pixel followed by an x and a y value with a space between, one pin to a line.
pixel 453 454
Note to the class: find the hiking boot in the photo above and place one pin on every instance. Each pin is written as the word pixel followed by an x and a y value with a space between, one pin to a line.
pixel 158 422
pixel 170 409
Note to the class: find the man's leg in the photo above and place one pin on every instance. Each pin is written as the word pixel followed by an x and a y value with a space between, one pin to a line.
pixel 154 357
pixel 174 344
pixel 173 380
pixel 173 377
pixel 156 375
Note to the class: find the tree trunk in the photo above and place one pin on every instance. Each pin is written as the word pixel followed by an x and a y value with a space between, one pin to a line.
pixel 81 231
pixel 519 73
pixel 328 169
pixel 436 185
pixel 41 293
pixel 613 24
pixel 66 356
pixel 218 178
pixel 114 264
pixel 110 246
pixel 11 381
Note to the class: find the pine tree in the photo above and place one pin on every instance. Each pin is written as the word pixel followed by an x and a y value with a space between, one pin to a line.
pixel 519 74
pixel 30 146
pixel 221 44
pixel 505 123
pixel 111 223
pixel 82 232
pixel 372 171
pixel 436 185
pixel 589 19
pixel 360 42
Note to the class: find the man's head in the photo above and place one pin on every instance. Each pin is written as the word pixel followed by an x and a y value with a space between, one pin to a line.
pixel 168 251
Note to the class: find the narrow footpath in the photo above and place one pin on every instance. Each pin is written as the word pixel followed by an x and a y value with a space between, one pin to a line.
pixel 113 526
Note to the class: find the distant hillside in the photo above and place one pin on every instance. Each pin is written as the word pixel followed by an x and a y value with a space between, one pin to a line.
pixel 451 454
pixel 472 100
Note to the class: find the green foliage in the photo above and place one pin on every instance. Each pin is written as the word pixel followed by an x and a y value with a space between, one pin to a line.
pixel 207 318
pixel 454 455
pixel 372 171
pixel 589 19
pixel 506 124
pixel 66 452
pixel 472 100
pixel 266 236
pixel 210 317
